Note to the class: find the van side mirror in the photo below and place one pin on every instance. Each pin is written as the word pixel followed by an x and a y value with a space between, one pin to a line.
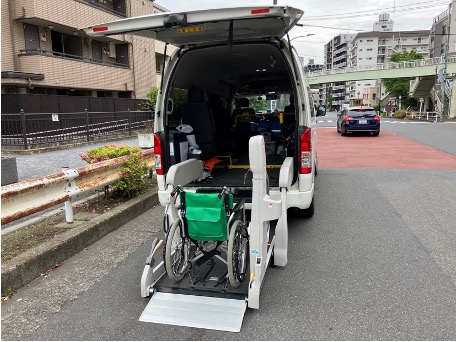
pixel 170 106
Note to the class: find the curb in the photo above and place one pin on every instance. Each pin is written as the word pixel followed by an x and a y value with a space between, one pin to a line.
pixel 29 265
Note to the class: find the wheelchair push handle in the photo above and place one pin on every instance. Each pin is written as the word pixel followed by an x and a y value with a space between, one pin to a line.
pixel 176 190
pixel 223 192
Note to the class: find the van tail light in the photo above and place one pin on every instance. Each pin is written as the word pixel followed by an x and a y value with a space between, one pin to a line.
pixel 377 118
pixel 305 152
pixel 158 154
pixel 348 118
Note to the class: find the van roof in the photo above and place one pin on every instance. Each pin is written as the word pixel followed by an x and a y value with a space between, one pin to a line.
pixel 204 26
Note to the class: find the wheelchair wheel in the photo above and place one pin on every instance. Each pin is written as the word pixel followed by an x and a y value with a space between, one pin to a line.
pixel 177 252
pixel 237 254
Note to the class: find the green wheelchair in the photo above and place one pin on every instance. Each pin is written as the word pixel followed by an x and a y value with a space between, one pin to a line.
pixel 207 226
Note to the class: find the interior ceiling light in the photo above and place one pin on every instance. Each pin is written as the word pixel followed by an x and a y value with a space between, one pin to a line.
pixel 260 70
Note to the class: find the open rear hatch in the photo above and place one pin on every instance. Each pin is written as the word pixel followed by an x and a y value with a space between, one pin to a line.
pixel 206 26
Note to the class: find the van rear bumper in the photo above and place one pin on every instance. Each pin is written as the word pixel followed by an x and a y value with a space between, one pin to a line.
pixel 295 198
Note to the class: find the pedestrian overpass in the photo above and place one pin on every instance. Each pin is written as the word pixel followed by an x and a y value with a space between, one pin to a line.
pixel 424 72
pixel 418 68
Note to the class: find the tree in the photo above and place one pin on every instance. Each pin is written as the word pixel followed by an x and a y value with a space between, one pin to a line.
pixel 329 102
pixel 179 96
pixel 257 103
pixel 151 100
pixel 401 86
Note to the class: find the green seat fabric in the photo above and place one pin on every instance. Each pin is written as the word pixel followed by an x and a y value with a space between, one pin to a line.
pixel 206 216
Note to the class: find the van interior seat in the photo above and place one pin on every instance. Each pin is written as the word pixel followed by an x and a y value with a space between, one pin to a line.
pixel 221 118
pixel 196 113
pixel 243 107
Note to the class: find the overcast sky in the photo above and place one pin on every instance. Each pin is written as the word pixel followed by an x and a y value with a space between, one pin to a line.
pixel 337 16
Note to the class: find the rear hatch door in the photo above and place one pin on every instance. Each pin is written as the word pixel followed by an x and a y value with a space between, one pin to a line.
pixel 206 26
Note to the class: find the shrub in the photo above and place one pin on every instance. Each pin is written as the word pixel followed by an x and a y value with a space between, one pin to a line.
pixel 132 174
pixel 400 114
pixel 132 177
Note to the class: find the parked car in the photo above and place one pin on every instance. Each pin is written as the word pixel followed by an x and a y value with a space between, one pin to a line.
pixel 358 119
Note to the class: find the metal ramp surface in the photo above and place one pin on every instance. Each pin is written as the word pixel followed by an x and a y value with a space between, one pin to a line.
pixel 195 311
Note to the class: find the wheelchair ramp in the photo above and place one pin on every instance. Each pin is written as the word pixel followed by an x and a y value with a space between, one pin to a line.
pixel 195 311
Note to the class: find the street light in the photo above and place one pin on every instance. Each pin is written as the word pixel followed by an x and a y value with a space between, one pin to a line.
pixel 400 98
pixel 307 35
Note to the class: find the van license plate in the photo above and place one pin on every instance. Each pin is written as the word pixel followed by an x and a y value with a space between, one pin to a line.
pixel 362 121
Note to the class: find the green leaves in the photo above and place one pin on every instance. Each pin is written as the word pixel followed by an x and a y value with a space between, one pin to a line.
pixel 400 86
pixel 132 174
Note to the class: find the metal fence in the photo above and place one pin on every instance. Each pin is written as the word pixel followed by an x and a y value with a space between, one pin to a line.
pixel 36 130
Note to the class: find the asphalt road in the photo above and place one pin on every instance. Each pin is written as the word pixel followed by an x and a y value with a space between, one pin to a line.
pixel 376 262
pixel 440 135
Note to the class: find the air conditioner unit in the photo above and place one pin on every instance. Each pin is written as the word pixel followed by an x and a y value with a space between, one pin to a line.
pixel 106 50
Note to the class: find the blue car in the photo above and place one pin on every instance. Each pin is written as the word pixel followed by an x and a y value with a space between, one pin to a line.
pixel 358 119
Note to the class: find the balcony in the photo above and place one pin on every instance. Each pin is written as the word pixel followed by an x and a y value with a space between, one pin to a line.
pixel 70 13
pixel 343 49
pixel 70 71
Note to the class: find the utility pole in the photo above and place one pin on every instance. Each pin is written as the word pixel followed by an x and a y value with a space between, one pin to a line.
pixel 445 56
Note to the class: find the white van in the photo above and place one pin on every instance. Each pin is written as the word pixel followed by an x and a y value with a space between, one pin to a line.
pixel 225 58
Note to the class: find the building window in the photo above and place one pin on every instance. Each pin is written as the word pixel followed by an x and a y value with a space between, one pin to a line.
pixel 370 40
pixel 369 49
pixel 66 45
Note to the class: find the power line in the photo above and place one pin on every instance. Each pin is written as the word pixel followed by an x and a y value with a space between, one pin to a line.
pixel 369 12
pixel 334 28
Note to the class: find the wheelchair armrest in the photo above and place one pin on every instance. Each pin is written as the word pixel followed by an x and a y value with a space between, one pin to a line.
pixel 238 206
pixel 237 211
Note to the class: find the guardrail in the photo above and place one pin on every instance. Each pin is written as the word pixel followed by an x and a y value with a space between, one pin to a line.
pixel 31 196
pixel 422 115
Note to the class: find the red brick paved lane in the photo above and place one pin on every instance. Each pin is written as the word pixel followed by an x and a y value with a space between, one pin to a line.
pixel 387 151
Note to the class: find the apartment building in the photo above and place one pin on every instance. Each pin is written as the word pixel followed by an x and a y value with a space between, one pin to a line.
pixel 371 48
pixel 442 37
pixel 443 33
pixel 44 50
pixel 336 56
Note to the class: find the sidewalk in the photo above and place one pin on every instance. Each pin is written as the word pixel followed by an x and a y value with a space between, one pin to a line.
pixel 46 163
pixel 86 229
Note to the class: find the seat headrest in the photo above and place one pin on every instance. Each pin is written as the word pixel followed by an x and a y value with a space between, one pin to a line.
pixel 243 102
pixel 214 101
pixel 195 94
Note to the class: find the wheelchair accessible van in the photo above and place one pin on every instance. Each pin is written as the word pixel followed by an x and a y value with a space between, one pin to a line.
pixel 213 259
